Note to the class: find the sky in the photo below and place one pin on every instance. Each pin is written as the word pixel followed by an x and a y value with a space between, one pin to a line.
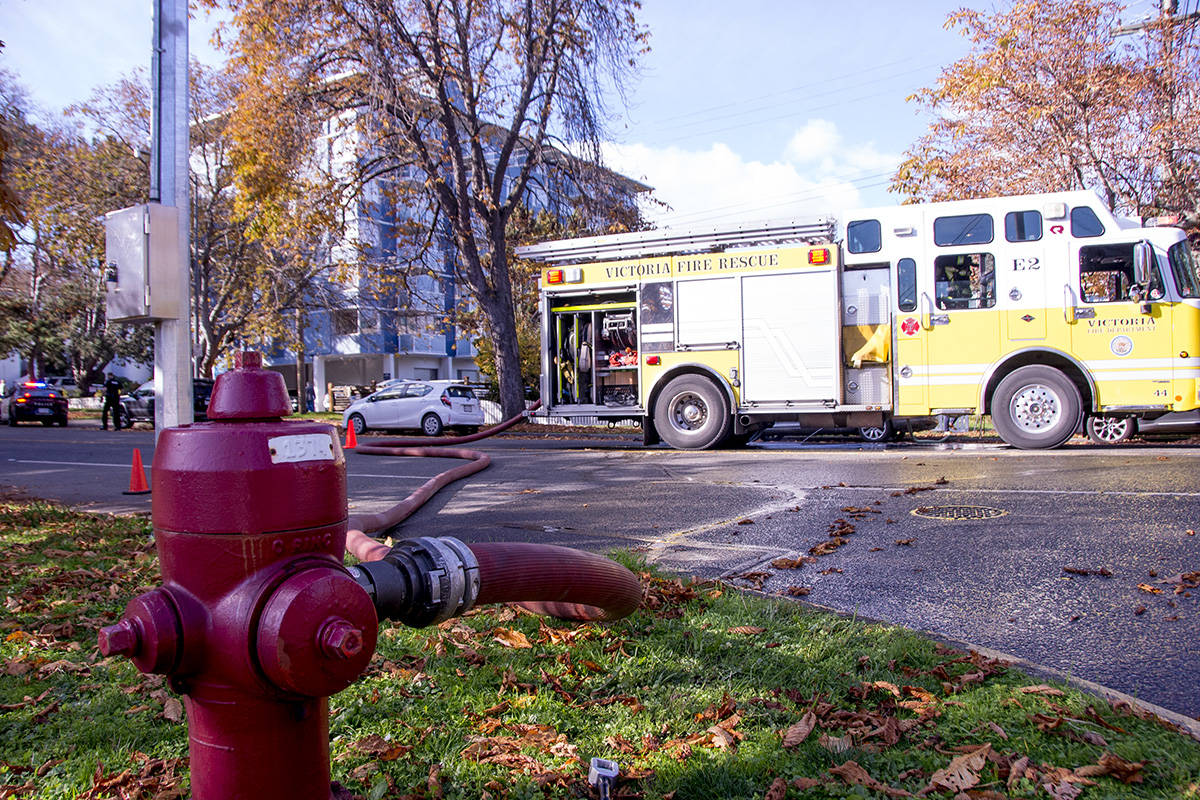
pixel 754 110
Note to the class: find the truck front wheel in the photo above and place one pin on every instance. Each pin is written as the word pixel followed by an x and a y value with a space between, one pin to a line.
pixel 1036 407
pixel 691 414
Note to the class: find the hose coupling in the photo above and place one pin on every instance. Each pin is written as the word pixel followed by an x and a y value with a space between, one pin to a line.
pixel 421 581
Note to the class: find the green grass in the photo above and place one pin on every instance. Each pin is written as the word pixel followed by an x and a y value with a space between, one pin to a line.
pixel 692 697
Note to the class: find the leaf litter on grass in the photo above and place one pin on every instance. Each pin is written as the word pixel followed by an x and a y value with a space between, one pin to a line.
pixel 704 693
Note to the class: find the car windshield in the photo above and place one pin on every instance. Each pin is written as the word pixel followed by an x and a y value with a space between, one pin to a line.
pixel 1183 267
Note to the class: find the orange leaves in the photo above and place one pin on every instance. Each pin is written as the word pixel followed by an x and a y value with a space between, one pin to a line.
pixel 380 748
pixel 511 638
pixel 747 630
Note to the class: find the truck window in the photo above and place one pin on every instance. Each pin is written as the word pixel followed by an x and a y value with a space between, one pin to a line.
pixel 967 280
pixel 1183 267
pixel 1023 226
pixel 906 284
pixel 1085 224
pixel 1106 275
pixel 966 229
pixel 864 236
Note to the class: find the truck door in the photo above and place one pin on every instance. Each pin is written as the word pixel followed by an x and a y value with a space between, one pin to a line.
pixel 1127 350
pixel 960 321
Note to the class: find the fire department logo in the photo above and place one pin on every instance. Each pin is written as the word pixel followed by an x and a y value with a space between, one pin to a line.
pixel 910 326
pixel 1121 345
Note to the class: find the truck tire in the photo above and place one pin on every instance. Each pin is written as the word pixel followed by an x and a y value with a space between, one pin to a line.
pixel 691 414
pixel 1036 407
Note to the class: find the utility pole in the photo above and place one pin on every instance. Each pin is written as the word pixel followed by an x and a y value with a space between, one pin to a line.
pixel 169 186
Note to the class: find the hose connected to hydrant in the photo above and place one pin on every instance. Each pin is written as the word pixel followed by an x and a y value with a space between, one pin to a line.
pixel 258 621
pixel 427 580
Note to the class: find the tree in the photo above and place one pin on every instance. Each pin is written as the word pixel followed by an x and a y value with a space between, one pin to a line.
pixel 466 103
pixel 244 288
pixel 1051 98
pixel 53 286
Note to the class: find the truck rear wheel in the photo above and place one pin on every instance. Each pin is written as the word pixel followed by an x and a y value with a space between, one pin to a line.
pixel 1036 407
pixel 691 414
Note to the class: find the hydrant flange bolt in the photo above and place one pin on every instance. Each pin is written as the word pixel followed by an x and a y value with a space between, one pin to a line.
pixel 340 639
pixel 121 639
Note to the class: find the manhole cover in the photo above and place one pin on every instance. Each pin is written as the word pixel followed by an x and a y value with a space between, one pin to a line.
pixel 958 512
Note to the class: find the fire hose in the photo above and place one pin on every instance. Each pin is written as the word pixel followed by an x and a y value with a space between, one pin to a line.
pixel 427 580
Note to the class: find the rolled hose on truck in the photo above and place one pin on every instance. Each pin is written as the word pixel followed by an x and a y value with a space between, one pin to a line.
pixel 428 580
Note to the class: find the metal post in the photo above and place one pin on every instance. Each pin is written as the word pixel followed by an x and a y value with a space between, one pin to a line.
pixel 169 185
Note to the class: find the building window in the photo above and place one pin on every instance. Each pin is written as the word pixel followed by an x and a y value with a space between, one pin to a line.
pixel 967 280
pixel 345 322
pixel 864 236
pixel 1023 226
pixel 965 229
pixel 1085 224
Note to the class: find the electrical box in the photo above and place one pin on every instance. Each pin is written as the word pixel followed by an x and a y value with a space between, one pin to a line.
pixel 141 263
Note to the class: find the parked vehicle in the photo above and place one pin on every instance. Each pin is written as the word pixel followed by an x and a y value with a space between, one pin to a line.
pixel 34 401
pixel 1038 310
pixel 138 405
pixel 1112 430
pixel 429 406
pixel 64 383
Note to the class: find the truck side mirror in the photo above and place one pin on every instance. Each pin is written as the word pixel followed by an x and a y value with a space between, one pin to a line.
pixel 1143 257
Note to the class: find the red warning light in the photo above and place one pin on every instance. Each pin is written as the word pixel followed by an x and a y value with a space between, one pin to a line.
pixel 818 257
pixel 554 276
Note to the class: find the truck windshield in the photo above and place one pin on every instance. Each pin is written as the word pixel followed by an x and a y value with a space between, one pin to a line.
pixel 1183 267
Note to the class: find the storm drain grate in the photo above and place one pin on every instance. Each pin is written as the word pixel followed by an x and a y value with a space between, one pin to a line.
pixel 958 512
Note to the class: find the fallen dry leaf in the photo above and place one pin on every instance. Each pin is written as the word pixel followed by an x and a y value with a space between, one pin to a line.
pixel 747 630
pixel 961 773
pixel 797 733
pixel 798 591
pixel 1041 688
pixel 777 791
pixel 173 710
pixel 854 775
pixel 511 638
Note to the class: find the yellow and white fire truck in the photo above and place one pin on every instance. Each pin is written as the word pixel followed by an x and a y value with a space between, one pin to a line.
pixel 1041 310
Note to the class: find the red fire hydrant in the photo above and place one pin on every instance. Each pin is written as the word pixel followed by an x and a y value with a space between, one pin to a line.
pixel 257 622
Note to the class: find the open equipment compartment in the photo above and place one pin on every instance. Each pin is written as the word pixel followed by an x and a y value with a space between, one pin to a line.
pixel 594 350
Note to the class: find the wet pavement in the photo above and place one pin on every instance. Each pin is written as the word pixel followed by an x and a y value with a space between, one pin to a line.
pixel 1063 558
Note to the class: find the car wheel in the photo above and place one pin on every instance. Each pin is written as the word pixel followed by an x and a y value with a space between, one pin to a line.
pixel 877 433
pixel 1036 407
pixel 62 422
pixel 431 425
pixel 360 424
pixel 691 414
pixel 1110 430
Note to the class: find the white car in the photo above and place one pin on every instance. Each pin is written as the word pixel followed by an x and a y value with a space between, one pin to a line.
pixel 430 406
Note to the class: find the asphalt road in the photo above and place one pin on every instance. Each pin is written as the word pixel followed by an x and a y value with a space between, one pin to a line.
pixel 980 544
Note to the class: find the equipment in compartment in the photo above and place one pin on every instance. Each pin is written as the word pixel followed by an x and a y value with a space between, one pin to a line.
pixel 594 352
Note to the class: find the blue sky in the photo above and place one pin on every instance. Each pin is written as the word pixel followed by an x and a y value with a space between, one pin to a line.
pixel 750 110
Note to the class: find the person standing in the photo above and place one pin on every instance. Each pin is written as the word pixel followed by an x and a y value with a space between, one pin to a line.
pixel 112 400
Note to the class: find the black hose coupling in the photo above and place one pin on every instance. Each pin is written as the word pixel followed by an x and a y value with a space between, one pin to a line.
pixel 421 581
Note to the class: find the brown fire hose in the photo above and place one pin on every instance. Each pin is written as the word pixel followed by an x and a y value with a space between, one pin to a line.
pixel 547 579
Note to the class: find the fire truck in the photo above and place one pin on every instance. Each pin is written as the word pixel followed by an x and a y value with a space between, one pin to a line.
pixel 1043 311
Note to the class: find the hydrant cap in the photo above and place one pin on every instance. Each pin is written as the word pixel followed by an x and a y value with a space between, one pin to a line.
pixel 249 391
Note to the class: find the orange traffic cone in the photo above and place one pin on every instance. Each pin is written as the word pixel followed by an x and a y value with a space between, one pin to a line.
pixel 137 475
pixel 351 437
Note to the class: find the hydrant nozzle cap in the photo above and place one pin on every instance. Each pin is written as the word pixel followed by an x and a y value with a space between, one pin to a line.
pixel 121 639
pixel 249 392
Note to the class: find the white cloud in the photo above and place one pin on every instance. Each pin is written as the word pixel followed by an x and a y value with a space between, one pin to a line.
pixel 816 174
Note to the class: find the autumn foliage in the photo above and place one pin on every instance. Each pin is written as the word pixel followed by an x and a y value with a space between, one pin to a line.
pixel 1052 97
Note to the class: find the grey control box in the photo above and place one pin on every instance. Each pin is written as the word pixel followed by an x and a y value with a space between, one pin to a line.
pixel 141 263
